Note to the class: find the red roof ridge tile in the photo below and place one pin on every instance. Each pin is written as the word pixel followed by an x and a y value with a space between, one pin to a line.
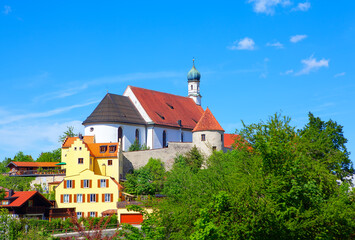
pixel 207 123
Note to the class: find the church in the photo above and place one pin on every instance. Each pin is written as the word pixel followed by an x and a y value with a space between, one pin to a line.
pixel 151 118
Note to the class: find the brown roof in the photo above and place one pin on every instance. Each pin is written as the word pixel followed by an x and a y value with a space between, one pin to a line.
pixel 123 204
pixel 115 108
pixel 167 109
pixel 70 140
pixel 207 123
pixel 33 164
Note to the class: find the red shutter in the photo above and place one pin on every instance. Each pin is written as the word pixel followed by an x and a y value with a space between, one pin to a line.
pixel 82 183
pixel 98 183
pixel 70 198
pixel 111 197
pixel 95 214
pixel 88 197
pixel 61 198
pixel 107 183
pixel 65 183
pixel 103 197
pixel 75 198
pixel 73 183
pixel 90 183
pixel 97 197
pixel 83 200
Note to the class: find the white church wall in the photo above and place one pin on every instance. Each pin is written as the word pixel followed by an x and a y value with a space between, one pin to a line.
pixel 105 133
pixel 172 135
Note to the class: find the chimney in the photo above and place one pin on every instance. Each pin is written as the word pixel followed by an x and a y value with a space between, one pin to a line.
pixel 11 192
pixel 80 136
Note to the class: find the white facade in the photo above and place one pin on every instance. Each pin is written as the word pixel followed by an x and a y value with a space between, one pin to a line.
pixel 194 91
pixel 105 133
pixel 207 141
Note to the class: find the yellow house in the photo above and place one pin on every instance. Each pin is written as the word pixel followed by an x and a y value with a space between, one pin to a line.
pixel 92 174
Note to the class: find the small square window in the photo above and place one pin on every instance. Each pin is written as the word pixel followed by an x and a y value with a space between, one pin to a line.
pixel 79 148
pixel 109 162
pixel 203 137
pixel 214 148
pixel 80 160
pixel 103 149
pixel 112 148
pixel 74 148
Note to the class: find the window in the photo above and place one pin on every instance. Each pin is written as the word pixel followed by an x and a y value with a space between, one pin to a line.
pixel 112 148
pixel 92 197
pixel 79 148
pixel 192 87
pixel 91 129
pixel 137 136
pixel 30 203
pixel 119 134
pixel 103 149
pixel 79 198
pixel 102 183
pixel 182 137
pixel 80 160
pixel 86 183
pixel 74 148
pixel 92 214
pixel 79 215
pixel 214 148
pixel 107 197
pixel 70 184
pixel 109 162
pixel 222 137
pixel 203 137
pixel 5 202
pixel 164 139
pixel 66 198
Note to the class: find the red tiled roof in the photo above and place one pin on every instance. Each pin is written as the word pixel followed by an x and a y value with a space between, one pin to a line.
pixel 119 185
pixel 166 109
pixel 229 139
pixel 94 149
pixel 22 197
pixel 33 164
pixel 207 122
pixel 70 140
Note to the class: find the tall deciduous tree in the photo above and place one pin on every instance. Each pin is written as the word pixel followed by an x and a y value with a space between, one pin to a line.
pixel 68 133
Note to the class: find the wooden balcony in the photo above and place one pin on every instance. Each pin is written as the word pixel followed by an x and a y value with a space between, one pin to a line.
pixel 36 173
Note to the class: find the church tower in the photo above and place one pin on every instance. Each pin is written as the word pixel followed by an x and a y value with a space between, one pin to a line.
pixel 193 79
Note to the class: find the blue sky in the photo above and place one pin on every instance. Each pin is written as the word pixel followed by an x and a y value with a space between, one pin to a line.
pixel 256 57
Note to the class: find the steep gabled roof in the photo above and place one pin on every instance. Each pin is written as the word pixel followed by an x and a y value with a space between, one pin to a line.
pixel 208 123
pixel 70 140
pixel 22 197
pixel 115 109
pixel 33 164
pixel 167 109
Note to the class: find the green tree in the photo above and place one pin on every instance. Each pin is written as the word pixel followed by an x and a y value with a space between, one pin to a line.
pixel 272 190
pixel 54 156
pixel 21 157
pixel 68 133
pixel 137 147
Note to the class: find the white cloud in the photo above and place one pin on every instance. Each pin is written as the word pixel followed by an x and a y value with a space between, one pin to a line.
pixel 60 94
pixel 297 38
pixel 311 64
pixel 268 6
pixel 340 74
pixel 13 118
pixel 302 7
pixel 33 138
pixel 7 10
pixel 243 44
pixel 288 72
pixel 275 44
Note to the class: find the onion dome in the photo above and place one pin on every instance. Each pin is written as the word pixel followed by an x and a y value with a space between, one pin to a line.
pixel 193 74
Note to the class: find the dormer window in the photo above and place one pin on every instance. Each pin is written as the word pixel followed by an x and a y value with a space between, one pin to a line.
pixel 162 117
pixel 112 148
pixel 103 149
pixel 170 106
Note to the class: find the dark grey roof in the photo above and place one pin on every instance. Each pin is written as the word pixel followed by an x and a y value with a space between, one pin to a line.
pixel 115 109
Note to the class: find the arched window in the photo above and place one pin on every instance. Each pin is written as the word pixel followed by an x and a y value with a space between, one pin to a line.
pixel 192 87
pixel 164 139
pixel 182 137
pixel 119 134
pixel 137 135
